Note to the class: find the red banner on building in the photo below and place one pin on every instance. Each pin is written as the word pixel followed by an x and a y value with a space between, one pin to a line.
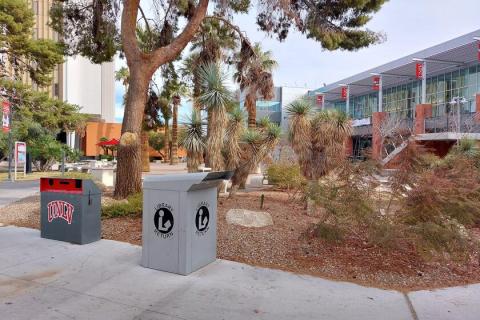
pixel 6 116
pixel 376 83
pixel 419 70
pixel 320 100
pixel 344 93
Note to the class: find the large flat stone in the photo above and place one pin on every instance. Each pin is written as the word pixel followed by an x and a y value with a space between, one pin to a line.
pixel 248 218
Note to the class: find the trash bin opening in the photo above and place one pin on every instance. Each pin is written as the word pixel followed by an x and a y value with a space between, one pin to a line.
pixel 61 185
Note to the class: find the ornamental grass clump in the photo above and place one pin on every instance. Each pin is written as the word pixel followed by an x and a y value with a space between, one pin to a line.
pixel 442 205
pixel 429 204
pixel 347 201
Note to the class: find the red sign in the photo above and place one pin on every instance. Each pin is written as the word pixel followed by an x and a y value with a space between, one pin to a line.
pixel 376 83
pixel 59 209
pixel 419 70
pixel 320 100
pixel 344 93
pixel 6 116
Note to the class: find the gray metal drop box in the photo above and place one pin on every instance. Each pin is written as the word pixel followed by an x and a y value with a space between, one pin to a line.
pixel 70 210
pixel 180 221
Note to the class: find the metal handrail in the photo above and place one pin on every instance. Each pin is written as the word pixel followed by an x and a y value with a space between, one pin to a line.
pixel 449 123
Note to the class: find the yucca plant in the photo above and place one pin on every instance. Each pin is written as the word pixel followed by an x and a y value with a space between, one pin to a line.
pixel 235 129
pixel 318 139
pixel 255 146
pixel 192 139
pixel 215 98
pixel 300 125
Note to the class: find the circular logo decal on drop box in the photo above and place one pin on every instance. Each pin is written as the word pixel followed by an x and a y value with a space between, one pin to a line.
pixel 202 218
pixel 163 220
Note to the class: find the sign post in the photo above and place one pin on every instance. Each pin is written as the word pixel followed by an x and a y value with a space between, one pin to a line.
pixel 20 157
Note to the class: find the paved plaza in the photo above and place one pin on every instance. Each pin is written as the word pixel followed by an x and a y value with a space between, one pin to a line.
pixel 46 279
pixel 13 191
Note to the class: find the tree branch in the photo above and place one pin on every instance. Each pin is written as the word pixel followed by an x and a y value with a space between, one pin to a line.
pixel 235 28
pixel 128 29
pixel 145 19
pixel 168 53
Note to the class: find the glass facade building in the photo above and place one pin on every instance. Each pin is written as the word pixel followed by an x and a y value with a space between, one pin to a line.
pixel 402 99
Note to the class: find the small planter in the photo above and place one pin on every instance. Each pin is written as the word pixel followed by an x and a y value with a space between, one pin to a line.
pixel 106 176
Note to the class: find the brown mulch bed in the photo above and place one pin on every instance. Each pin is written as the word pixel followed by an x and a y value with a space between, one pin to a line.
pixel 286 246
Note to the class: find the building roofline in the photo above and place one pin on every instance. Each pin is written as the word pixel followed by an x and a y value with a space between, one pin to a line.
pixel 404 61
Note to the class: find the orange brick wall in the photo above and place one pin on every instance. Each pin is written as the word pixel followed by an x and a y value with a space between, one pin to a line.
pixel 422 111
pixel 96 130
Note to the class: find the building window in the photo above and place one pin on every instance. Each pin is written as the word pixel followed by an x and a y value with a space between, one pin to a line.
pixel 35 7
pixel 56 90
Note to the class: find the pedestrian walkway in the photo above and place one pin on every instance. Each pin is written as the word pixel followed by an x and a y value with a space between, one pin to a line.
pixel 14 191
pixel 46 279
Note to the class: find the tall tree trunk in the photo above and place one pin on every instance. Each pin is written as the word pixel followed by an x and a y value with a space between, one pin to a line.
pixel 145 152
pixel 251 106
pixel 174 158
pixel 142 66
pixel 167 142
pixel 129 166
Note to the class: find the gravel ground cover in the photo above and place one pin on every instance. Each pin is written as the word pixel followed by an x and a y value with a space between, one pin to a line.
pixel 287 246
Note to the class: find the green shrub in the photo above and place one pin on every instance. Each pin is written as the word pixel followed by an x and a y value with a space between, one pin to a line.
pixel 286 177
pixel 383 234
pixel 157 140
pixel 78 175
pixel 45 150
pixel 107 157
pixel 133 205
pixel 328 232
pixel 448 237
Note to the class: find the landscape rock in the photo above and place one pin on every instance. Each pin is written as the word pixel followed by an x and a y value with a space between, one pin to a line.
pixel 248 218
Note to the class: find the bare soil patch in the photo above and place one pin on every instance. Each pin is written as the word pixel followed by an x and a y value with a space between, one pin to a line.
pixel 287 246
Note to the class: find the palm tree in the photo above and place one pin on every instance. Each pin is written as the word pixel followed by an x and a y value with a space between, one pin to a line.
pixel 123 75
pixel 254 74
pixel 175 102
pixel 215 98
pixel 166 111
pixel 193 140
pixel 318 139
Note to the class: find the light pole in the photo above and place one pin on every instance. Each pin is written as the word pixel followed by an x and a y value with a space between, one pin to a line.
pixel 458 101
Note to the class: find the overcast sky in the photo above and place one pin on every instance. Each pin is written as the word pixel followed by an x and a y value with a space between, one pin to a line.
pixel 410 26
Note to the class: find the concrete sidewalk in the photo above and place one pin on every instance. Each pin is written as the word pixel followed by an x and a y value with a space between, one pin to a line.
pixel 14 191
pixel 45 279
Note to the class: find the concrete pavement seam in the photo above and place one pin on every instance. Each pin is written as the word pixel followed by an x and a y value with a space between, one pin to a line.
pixel 410 306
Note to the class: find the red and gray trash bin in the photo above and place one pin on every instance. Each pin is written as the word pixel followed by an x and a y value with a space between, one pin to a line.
pixel 70 210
